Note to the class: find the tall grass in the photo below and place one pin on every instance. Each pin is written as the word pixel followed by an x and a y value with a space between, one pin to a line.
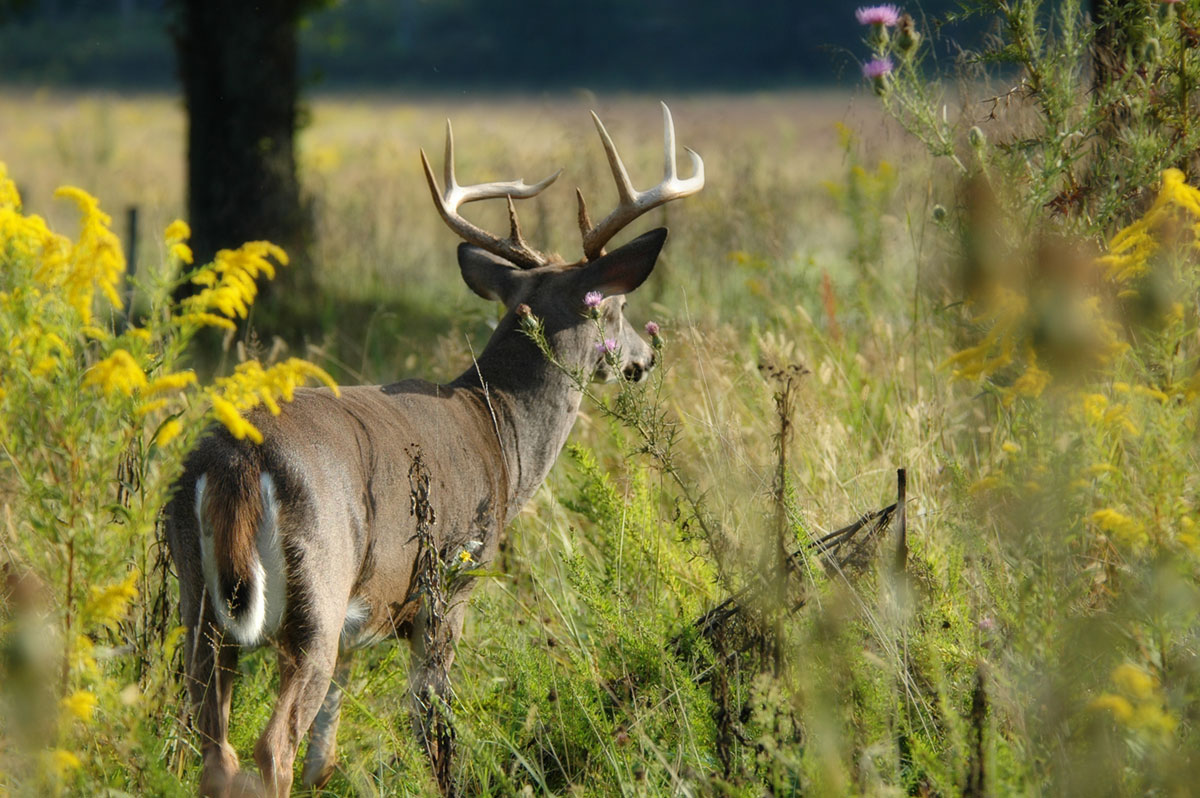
pixel 1035 637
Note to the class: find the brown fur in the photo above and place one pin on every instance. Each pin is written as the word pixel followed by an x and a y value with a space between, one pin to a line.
pixel 233 509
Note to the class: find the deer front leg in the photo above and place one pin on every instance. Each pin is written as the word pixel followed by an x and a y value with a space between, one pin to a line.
pixel 433 642
pixel 322 737
pixel 304 678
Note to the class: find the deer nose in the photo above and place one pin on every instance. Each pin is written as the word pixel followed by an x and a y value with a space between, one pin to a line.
pixel 635 371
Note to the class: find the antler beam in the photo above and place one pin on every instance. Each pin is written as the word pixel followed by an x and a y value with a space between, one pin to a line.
pixel 513 248
pixel 633 203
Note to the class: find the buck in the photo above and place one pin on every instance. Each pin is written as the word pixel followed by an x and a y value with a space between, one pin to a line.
pixel 311 541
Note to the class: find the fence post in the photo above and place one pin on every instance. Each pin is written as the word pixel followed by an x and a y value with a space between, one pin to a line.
pixel 131 248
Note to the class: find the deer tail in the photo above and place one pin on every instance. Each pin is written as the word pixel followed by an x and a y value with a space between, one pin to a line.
pixel 236 510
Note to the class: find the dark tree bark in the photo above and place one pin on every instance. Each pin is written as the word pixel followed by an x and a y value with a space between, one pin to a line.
pixel 238 66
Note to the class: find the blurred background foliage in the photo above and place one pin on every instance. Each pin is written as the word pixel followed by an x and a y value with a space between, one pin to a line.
pixel 436 45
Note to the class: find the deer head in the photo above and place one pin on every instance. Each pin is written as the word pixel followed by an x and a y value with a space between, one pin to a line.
pixel 509 270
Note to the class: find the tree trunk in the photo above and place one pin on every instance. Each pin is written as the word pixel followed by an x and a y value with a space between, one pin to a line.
pixel 238 66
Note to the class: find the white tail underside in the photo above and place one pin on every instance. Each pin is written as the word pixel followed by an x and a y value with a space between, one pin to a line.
pixel 268 580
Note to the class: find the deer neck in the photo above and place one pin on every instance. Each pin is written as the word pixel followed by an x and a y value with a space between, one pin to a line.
pixel 532 406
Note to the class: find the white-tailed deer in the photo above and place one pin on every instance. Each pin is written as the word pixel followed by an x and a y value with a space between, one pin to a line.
pixel 312 541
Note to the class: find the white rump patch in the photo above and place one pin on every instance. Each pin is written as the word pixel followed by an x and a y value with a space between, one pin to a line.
pixel 268 578
pixel 357 614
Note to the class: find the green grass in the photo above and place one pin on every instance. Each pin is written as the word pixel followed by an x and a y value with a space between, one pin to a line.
pixel 580 672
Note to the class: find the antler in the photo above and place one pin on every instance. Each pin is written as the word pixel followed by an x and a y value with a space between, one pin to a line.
pixel 632 203
pixel 513 248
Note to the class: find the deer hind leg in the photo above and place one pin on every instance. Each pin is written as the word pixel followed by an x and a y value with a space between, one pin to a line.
pixel 211 668
pixel 322 737
pixel 304 678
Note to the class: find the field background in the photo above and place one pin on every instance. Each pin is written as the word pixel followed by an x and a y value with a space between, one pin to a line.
pixel 756 270
pixel 837 304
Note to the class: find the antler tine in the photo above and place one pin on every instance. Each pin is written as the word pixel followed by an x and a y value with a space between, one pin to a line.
pixel 668 143
pixel 632 203
pixel 585 221
pixel 448 176
pixel 625 189
pixel 512 248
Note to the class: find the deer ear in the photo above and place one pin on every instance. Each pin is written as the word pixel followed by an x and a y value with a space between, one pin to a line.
pixel 488 275
pixel 625 268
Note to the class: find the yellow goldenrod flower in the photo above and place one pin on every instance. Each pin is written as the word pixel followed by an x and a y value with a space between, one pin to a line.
pixel 107 605
pixel 229 281
pixel 1153 393
pixel 1119 706
pixel 118 373
pixel 81 704
pixel 176 232
pixel 44 366
pixel 10 198
pixel 1153 719
pixel 96 260
pixel 1126 529
pixel 147 408
pixel 1119 415
pixel 1032 383
pixel 251 385
pixel 983 485
pixel 181 252
pixel 62 761
pixel 168 432
pixel 205 320
pixel 1094 405
pixel 171 382
pixel 82 658
pixel 239 427
pixel 1134 681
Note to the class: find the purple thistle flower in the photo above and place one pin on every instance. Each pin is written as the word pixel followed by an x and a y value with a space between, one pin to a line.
pixel 592 299
pixel 887 16
pixel 652 329
pixel 607 347
pixel 876 68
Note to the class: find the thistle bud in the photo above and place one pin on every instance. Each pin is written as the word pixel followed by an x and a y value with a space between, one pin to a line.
pixel 907 36
pixel 877 70
pixel 526 317
pixel 591 303
pixel 655 338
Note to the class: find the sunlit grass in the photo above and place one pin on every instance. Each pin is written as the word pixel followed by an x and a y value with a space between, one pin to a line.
pixel 580 673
